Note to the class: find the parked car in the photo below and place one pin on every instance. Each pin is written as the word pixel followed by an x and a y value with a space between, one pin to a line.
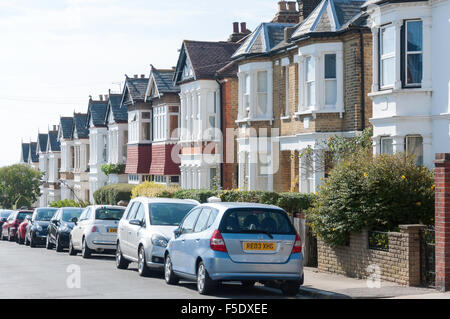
pixel 145 229
pixel 60 227
pixel 22 229
pixel 96 230
pixel 9 228
pixel 36 231
pixel 4 214
pixel 243 242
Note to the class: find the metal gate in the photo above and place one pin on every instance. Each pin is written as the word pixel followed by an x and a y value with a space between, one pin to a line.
pixel 428 267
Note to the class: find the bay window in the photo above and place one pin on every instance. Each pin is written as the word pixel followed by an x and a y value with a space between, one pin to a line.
pixel 414 146
pixel 386 145
pixel 413 52
pixel 159 123
pixel 261 106
pixel 330 79
pixel 145 126
pixel 387 56
pixel 286 90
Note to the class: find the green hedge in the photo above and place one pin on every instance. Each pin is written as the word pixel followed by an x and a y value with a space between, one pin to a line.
pixel 112 194
pixel 200 195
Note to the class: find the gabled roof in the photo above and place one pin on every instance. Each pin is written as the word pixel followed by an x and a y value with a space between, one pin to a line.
pixel 66 127
pixel 25 152
pixel 120 114
pixel 53 143
pixel 160 81
pixel 80 127
pixel 263 39
pixel 331 16
pixel 205 58
pixel 33 155
pixel 134 90
pixel 42 143
pixel 97 112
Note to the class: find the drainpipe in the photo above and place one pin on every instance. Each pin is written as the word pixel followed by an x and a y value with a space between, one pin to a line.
pixel 363 96
pixel 221 129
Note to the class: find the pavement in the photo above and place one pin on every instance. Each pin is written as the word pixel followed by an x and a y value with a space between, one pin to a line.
pixel 330 286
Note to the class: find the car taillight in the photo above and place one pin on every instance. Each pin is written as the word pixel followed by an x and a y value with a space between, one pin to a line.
pixel 217 243
pixel 94 229
pixel 297 245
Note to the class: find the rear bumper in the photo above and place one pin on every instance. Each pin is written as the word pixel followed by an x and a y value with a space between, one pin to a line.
pixel 221 267
pixel 99 242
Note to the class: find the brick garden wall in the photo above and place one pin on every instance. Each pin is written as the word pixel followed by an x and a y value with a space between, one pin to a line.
pixel 400 264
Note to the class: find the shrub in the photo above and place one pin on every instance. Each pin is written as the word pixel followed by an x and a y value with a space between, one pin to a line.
pixel 295 203
pixel 152 189
pixel 112 194
pixel 377 193
pixel 109 169
pixel 200 195
pixel 68 203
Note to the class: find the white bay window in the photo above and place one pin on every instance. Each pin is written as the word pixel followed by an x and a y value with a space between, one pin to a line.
pixel 387 56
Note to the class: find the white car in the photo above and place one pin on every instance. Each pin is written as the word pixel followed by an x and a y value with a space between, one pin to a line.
pixel 145 229
pixel 96 230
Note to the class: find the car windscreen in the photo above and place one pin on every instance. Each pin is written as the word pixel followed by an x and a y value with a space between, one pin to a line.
pixel 69 214
pixel 22 215
pixel 44 214
pixel 250 220
pixel 5 214
pixel 168 214
pixel 109 213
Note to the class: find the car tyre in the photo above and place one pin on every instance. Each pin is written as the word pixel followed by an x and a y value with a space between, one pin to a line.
pixel 48 244
pixel 143 269
pixel 27 242
pixel 205 285
pixel 169 276
pixel 9 236
pixel 121 262
pixel 86 252
pixel 72 251
pixel 58 246
pixel 290 288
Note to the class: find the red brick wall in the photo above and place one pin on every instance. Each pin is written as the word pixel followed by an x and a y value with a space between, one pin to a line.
pixel 229 115
pixel 162 163
pixel 442 221
pixel 139 158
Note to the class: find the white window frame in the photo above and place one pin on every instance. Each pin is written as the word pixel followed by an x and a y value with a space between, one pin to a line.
pixel 385 138
pixel 328 80
pixel 286 90
pixel 383 57
pixel 160 123
pixel 406 53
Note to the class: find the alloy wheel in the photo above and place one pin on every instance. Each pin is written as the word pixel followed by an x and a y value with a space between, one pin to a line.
pixel 201 277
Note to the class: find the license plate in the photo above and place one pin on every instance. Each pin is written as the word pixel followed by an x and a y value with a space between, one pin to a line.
pixel 112 230
pixel 260 246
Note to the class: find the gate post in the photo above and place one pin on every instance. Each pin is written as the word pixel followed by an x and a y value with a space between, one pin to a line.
pixel 442 221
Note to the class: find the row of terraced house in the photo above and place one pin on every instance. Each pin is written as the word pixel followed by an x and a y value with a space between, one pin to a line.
pixel 239 112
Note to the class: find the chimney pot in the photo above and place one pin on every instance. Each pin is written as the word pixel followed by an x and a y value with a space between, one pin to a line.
pixel 101 97
pixel 54 127
pixel 243 27
pixel 292 6
pixel 235 27
pixel 142 76
pixel 135 76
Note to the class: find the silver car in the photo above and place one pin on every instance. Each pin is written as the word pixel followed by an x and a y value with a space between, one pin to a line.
pixel 145 229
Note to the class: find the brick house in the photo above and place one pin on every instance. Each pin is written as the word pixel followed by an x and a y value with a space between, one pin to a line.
pixel 98 143
pixel 200 113
pixel 308 82
pixel 163 96
pixel 65 138
pixel 117 121
pixel 139 151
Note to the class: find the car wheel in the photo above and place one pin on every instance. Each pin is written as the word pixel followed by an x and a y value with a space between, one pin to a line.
pixel 169 276
pixel 143 269
pixel 17 239
pixel 48 244
pixel 27 242
pixel 58 245
pixel 121 262
pixel 85 250
pixel 248 283
pixel 72 251
pixel 9 236
pixel 205 285
pixel 290 288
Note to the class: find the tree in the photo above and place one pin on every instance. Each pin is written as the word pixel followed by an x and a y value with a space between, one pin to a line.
pixel 18 182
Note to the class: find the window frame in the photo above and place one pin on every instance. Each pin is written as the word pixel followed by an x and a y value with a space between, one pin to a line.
pixel 405 54
pixel 382 57
pixel 384 138
pixel 325 79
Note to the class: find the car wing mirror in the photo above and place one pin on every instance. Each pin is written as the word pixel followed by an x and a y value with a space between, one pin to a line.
pixel 75 220
pixel 177 232
pixel 136 222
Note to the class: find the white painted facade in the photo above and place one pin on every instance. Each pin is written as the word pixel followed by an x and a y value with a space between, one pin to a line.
pixel 411 118
pixel 98 143
pixel 67 167
pixel 117 148
pixel 43 167
pixel 199 124
pixel 81 177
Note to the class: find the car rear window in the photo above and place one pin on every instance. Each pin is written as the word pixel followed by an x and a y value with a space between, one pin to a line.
pixel 5 214
pixel 168 214
pixel 22 215
pixel 45 214
pixel 251 220
pixel 109 213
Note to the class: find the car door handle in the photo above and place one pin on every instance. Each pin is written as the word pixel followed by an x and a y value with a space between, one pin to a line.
pixel 197 241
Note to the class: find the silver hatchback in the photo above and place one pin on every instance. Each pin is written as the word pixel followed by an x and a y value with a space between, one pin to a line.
pixel 145 229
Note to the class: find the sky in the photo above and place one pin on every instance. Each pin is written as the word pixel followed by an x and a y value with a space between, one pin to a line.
pixel 55 53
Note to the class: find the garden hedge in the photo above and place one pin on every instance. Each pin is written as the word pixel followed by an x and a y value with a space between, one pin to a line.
pixel 112 194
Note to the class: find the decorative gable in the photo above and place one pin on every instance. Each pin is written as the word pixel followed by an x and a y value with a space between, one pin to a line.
pixel 188 72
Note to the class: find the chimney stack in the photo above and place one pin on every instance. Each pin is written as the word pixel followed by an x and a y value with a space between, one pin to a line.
pixel 282 6
pixel 292 6
pixel 101 97
pixel 236 27
pixel 142 76
pixel 306 7
pixel 287 12
pixel 135 76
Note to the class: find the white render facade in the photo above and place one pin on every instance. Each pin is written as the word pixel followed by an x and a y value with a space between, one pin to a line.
pixel 117 149
pixel 411 78
pixel 199 118
pixel 98 141
pixel 81 177
pixel 67 168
